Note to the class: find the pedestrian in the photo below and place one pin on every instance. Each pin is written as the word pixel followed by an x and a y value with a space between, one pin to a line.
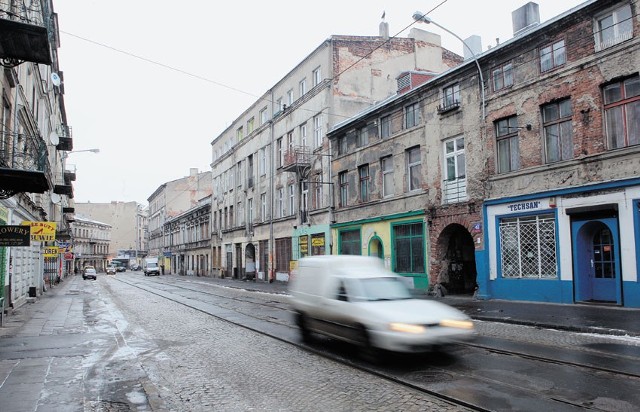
pixel 162 268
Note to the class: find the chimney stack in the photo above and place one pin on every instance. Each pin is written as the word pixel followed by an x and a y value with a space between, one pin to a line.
pixel 525 17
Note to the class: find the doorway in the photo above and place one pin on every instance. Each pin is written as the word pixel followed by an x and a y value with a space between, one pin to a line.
pixel 596 260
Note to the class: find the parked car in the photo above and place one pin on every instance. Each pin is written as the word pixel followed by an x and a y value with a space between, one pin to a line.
pixel 89 273
pixel 111 270
pixel 357 300
pixel 121 269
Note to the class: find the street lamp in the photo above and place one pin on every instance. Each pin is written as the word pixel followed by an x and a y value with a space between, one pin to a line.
pixel 422 17
pixel 85 150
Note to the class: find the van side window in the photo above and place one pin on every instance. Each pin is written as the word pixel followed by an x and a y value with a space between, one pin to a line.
pixel 342 293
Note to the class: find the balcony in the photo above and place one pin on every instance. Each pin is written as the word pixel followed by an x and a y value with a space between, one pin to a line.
pixel 447 107
pixel 454 191
pixel 24 168
pixel 23 32
pixel 297 160
pixel 66 190
pixel 66 141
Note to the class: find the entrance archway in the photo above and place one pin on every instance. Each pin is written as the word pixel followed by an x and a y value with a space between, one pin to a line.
pixel 376 248
pixel 456 253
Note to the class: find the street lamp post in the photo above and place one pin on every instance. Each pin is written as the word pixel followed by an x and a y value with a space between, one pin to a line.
pixel 422 17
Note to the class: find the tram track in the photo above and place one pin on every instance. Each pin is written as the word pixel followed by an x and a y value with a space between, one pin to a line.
pixel 285 330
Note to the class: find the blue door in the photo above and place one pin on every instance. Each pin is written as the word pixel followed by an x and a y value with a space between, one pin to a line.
pixel 596 260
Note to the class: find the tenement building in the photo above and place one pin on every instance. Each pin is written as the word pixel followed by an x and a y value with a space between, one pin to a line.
pixel 272 197
pixel 514 174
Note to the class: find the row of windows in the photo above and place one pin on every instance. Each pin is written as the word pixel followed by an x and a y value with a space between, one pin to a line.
pixel 609 29
pixel 622 126
pixel 263 115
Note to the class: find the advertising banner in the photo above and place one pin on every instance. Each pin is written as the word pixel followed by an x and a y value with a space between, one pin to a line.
pixel 15 236
pixel 42 231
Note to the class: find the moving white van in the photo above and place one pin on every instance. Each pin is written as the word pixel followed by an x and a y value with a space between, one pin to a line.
pixel 356 299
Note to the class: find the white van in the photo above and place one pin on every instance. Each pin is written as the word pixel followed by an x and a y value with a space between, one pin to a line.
pixel 356 299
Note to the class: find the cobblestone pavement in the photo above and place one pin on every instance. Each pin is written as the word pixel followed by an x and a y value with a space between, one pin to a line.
pixel 201 364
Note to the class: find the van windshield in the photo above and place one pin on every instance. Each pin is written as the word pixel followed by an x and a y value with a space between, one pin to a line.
pixel 152 265
pixel 381 288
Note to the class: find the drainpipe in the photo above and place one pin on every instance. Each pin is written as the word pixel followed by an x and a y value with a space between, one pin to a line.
pixel 271 273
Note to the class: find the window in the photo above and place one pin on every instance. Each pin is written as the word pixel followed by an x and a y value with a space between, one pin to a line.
pixel 363 173
pixel 552 56
pixel 350 242
pixel 385 127
pixel 304 202
pixel 292 200
pixel 290 141
pixel 250 212
pixel 290 97
pixel 455 184
pixel 622 112
pixel 279 105
pixel 262 165
pixel 264 116
pixel 250 171
pixel 239 134
pixel 239 215
pixel 613 28
pixel 317 244
pixel 507 142
pixel 386 164
pixel 528 247
pixel 263 207
pixel 302 87
pixel 558 139
pixel 450 98
pixel 280 153
pixel 342 145
pixel 344 188
pixel 281 209
pixel 502 76
pixel 303 135
pixel 362 137
pixel 408 244
pixel 317 131
pixel 317 77
pixel 317 196
pixel 239 174
pixel 414 179
pixel 250 125
pixel 412 115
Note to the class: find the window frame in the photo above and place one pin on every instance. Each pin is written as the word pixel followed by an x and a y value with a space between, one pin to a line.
pixel 412 115
pixel 501 71
pixel 388 190
pixel 560 123
pixel 316 76
pixel 553 56
pixel 623 103
pixel 510 137
pixel 385 127
pixel 343 187
pixel 450 98
pixel 365 178
pixel 622 29
pixel 414 167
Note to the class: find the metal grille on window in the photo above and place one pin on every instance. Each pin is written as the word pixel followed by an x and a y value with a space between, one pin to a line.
pixel 528 247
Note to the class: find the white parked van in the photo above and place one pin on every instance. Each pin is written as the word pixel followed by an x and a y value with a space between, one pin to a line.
pixel 358 300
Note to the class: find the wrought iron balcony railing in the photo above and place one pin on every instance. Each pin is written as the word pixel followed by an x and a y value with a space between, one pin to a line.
pixel 24 167
pixel 25 26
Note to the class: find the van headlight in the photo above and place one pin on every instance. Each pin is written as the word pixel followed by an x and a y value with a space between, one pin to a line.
pixel 458 324
pixel 406 328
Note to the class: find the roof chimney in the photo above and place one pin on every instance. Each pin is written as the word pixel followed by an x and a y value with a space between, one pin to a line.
pixel 384 30
pixel 475 44
pixel 525 17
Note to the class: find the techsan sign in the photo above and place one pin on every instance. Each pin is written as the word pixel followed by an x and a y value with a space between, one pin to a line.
pixel 42 231
pixel 15 236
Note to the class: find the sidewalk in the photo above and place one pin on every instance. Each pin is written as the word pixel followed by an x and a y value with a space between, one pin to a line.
pixel 586 318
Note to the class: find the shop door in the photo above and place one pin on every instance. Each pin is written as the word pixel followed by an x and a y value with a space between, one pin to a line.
pixel 596 258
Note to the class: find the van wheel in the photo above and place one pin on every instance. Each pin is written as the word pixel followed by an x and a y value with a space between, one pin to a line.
pixel 305 333
pixel 368 352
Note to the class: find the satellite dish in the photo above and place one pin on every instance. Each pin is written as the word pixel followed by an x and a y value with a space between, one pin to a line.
pixel 55 198
pixel 55 79
pixel 54 138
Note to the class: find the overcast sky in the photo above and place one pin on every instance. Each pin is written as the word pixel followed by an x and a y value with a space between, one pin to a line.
pixel 152 82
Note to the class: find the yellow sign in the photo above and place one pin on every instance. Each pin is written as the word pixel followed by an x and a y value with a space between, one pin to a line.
pixel 51 251
pixel 317 241
pixel 42 231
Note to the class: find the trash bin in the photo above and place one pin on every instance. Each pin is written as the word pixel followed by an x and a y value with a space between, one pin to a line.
pixel 32 292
